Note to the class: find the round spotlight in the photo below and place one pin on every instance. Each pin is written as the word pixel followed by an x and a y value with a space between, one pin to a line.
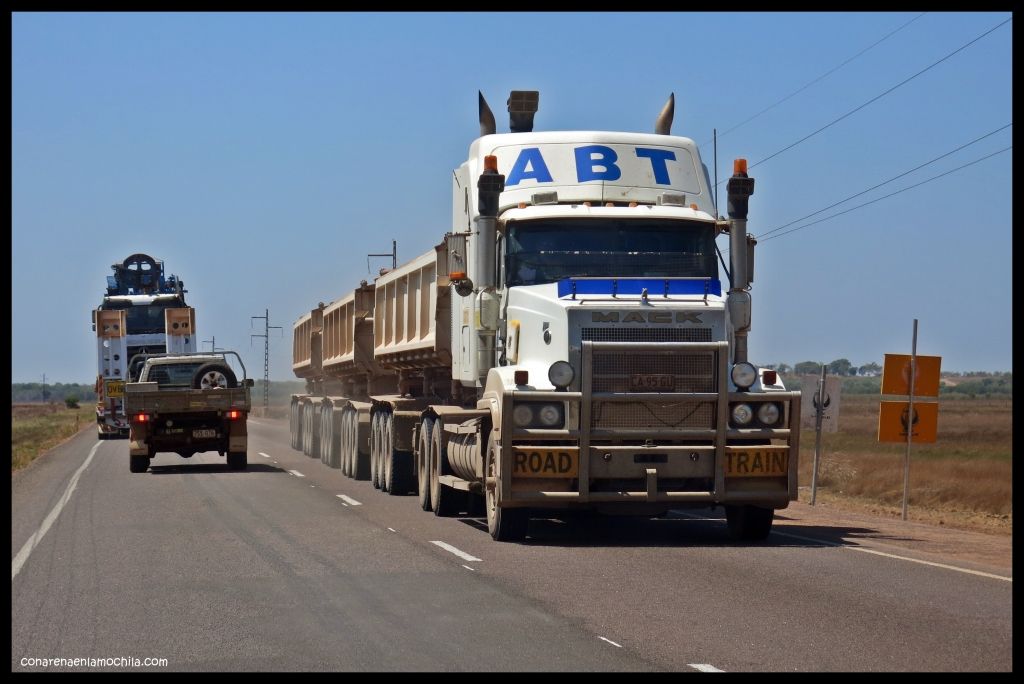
pixel 561 374
pixel 522 415
pixel 743 375
pixel 742 414
pixel 768 413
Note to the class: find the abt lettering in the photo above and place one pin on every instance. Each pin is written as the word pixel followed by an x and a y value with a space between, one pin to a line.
pixel 593 163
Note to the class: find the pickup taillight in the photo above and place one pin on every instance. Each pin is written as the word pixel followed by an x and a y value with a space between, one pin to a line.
pixel 141 418
pixel 233 414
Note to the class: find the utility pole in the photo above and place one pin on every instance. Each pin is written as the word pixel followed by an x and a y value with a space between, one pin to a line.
pixel 213 343
pixel 266 353
pixel 46 393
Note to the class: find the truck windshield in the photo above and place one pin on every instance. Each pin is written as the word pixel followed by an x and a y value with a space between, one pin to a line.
pixel 143 318
pixel 549 250
pixel 173 374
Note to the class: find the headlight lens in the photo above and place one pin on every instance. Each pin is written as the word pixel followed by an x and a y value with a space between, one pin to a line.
pixel 522 415
pixel 768 413
pixel 550 416
pixel 743 375
pixel 561 374
pixel 742 414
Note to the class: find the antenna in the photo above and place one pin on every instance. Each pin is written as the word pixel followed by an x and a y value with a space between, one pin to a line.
pixel 715 137
pixel 393 254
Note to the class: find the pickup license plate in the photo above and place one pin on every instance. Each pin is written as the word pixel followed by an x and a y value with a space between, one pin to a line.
pixel 115 389
pixel 204 434
pixel 762 461
pixel 560 462
pixel 643 382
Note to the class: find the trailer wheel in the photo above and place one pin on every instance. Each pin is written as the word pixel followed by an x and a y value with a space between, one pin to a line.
pixel 375 451
pixel 343 441
pixel 214 375
pixel 138 464
pixel 446 501
pixel 384 454
pixel 504 524
pixel 398 465
pixel 749 523
pixel 238 460
pixel 422 463
pixel 360 459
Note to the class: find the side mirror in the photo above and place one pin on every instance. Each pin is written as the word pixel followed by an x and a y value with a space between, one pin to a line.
pixel 249 382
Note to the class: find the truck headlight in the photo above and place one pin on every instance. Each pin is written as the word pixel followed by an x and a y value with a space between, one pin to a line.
pixel 561 374
pixel 536 414
pixel 742 414
pixel 522 415
pixel 744 375
pixel 768 413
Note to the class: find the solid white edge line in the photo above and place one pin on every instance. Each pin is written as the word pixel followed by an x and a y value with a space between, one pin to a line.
pixel 704 667
pixel 892 555
pixel 865 550
pixel 610 642
pixel 458 552
pixel 296 473
pixel 349 500
pixel 34 540
pixel 264 455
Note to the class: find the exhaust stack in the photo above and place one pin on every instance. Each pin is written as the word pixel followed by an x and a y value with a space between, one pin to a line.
pixel 522 105
pixel 740 188
pixel 487 125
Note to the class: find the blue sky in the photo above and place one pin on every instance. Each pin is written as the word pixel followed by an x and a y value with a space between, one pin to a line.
pixel 263 156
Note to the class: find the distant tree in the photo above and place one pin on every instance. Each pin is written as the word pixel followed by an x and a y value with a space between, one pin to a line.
pixel 784 368
pixel 869 369
pixel 840 367
pixel 71 402
pixel 807 368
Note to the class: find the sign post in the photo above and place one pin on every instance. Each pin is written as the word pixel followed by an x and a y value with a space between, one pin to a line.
pixel 819 410
pixel 825 406
pixel 915 376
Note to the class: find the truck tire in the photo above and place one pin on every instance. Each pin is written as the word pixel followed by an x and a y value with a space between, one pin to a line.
pixel 296 426
pixel 237 460
pixel 384 452
pixel 214 375
pixel 504 524
pixel 398 469
pixel 348 452
pixel 343 441
pixel 138 464
pixel 749 523
pixel 326 433
pixel 313 437
pixel 423 461
pixel 445 501
pixel 374 450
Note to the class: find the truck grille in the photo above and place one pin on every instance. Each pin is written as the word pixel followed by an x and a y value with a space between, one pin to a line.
pixel 647 334
pixel 675 373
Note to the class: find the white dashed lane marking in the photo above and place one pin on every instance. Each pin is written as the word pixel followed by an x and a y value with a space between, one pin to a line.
pixel 264 455
pixel 458 552
pixel 610 642
pixel 296 473
pixel 349 500
pixel 704 667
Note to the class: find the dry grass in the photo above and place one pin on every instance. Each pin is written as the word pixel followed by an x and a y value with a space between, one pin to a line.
pixel 38 427
pixel 965 477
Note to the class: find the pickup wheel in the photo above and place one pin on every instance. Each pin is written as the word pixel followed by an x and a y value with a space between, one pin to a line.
pixel 504 524
pixel 749 523
pixel 214 375
pixel 237 460
pixel 138 464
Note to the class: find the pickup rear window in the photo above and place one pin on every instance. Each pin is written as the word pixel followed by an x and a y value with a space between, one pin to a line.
pixel 173 374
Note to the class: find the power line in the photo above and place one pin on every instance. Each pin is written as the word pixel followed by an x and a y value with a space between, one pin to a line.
pixel 875 187
pixel 881 95
pixel 827 73
pixel 909 187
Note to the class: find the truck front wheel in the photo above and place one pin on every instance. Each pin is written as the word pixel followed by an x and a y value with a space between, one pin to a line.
pixel 504 524
pixel 138 464
pixel 749 523
pixel 237 460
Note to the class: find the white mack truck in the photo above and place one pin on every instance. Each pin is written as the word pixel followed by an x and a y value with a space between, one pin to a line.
pixel 142 312
pixel 570 344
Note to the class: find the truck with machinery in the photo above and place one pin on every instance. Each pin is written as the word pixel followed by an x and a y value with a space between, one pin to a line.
pixel 187 403
pixel 143 311
pixel 568 344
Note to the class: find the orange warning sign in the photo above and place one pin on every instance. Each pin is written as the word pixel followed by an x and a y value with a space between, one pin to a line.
pixel 896 375
pixel 893 420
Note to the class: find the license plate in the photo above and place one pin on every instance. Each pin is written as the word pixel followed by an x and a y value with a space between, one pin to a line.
pixel 204 434
pixel 642 382
pixel 761 461
pixel 115 389
pixel 563 462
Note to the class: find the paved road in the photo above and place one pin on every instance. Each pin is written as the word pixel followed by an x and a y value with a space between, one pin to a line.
pixel 269 569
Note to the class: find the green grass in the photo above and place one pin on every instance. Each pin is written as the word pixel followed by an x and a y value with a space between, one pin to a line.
pixel 38 427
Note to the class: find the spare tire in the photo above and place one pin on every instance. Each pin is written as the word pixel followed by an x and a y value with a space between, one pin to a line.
pixel 214 375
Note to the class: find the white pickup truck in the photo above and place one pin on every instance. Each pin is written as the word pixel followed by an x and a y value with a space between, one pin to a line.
pixel 186 404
